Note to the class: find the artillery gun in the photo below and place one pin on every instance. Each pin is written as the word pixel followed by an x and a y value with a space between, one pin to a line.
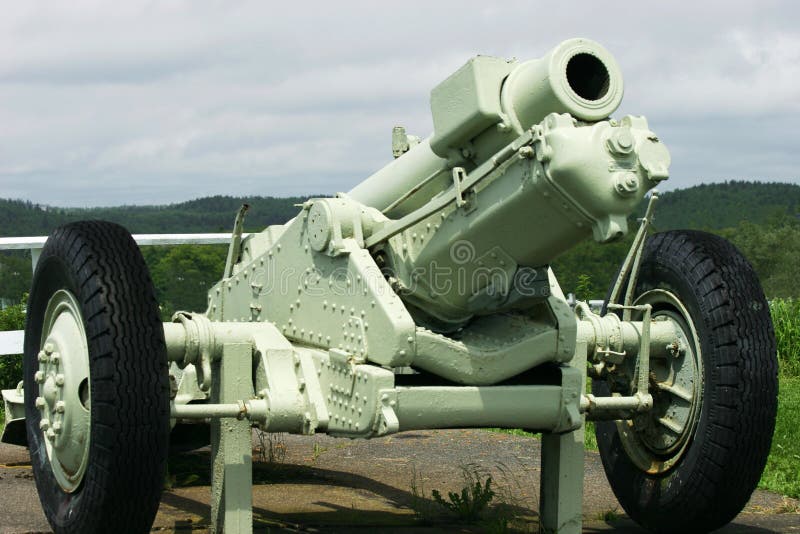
pixel 422 299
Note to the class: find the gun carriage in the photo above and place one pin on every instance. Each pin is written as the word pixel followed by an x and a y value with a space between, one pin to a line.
pixel 439 265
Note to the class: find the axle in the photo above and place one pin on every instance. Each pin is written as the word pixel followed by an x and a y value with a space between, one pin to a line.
pixel 374 404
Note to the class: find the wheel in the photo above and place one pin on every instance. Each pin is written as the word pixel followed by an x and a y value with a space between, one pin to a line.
pixel 692 462
pixel 96 383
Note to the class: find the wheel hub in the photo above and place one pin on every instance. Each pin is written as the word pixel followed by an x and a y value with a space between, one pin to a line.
pixel 62 376
pixel 657 439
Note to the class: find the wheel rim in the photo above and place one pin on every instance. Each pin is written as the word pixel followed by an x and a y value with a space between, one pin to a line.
pixel 63 392
pixel 657 439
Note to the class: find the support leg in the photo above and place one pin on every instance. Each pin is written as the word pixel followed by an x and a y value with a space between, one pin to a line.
pixel 231 445
pixel 561 501
pixel 561 485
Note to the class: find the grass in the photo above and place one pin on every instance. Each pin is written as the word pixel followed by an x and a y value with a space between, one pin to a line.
pixel 609 515
pixel 786 319
pixel 782 474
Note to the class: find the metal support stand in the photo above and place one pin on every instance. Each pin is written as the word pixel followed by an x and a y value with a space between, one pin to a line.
pixel 561 484
pixel 231 445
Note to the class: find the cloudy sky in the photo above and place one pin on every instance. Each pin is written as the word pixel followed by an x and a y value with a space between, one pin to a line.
pixel 131 102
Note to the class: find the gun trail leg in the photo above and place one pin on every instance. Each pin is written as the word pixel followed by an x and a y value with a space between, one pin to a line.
pixel 231 447
pixel 561 486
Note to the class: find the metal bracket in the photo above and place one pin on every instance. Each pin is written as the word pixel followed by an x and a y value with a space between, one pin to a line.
pixel 459 174
pixel 235 250
pixel 632 261
pixel 643 358
pixel 199 346
pixel 437 203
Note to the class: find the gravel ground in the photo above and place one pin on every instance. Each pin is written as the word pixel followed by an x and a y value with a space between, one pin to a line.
pixel 323 484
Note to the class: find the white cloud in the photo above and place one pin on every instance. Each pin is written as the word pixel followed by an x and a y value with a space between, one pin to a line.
pixel 152 102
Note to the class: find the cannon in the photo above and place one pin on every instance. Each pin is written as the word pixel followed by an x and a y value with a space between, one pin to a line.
pixel 422 298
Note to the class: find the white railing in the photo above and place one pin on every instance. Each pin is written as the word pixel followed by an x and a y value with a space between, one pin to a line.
pixel 12 342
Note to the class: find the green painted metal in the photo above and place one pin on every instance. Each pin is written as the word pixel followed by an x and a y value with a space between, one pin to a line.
pixel 484 106
pixel 231 445
pixel 439 263
pixel 63 395
pixel 374 279
pixel 561 480
pixel 14 432
pixel 554 408
pixel 656 439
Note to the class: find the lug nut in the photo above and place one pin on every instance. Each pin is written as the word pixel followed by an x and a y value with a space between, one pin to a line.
pixel 44 424
pixel 42 357
pixel 39 376
pixel 40 402
pixel 56 358
pixel 59 379
pixel 51 435
pixel 60 406
pixel 57 427
pixel 48 348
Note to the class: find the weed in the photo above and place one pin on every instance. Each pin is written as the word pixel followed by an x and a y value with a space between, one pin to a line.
pixel 470 503
pixel 495 506
pixel 188 469
pixel 788 506
pixel 422 506
pixel 612 514
pixel 317 451
pixel 271 447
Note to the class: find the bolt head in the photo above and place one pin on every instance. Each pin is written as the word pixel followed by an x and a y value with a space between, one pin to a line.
pixel 48 348
pixel 526 152
pixel 57 427
pixel 44 424
pixel 51 435
pixel 60 406
pixel 42 357
pixel 56 358
pixel 621 142
pixel 40 402
pixel 59 379
pixel 39 377
pixel 626 184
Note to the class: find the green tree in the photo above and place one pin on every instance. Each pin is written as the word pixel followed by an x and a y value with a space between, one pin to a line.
pixel 584 289
pixel 183 274
pixel 11 318
pixel 774 250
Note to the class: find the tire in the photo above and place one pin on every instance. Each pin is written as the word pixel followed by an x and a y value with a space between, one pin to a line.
pixel 708 482
pixel 92 313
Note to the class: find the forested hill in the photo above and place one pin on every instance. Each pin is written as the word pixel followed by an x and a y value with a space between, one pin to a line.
pixel 725 205
pixel 210 214
pixel 707 206
pixel 760 218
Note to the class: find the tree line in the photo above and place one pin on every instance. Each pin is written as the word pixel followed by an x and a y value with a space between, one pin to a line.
pixel 759 218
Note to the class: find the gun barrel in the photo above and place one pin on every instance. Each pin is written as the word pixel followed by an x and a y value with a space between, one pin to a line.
pixel 483 106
